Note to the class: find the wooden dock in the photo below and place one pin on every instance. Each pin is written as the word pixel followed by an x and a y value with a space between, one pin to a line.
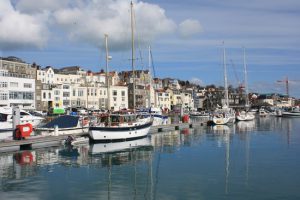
pixel 35 142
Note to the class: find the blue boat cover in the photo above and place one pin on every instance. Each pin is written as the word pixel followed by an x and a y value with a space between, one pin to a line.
pixel 65 121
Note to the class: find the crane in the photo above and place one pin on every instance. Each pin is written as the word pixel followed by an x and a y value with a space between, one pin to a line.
pixel 286 81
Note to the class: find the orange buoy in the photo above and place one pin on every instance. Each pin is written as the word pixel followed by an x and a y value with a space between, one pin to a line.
pixel 23 130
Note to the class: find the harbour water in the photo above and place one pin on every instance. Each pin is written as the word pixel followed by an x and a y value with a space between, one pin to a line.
pixel 247 160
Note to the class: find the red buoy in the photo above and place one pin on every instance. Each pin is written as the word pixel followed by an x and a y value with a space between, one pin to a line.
pixel 23 131
pixel 185 118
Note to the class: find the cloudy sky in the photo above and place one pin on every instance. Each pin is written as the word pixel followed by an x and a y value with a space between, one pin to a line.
pixel 185 36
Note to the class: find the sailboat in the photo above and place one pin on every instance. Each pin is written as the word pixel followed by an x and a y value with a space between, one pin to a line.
pixel 156 112
pixel 123 124
pixel 224 115
pixel 245 115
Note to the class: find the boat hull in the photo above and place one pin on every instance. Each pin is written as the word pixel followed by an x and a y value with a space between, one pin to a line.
pixel 290 114
pixel 62 131
pixel 246 117
pixel 119 133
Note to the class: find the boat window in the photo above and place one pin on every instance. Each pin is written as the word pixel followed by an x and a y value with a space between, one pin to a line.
pixel 23 113
pixel 114 118
pixel 3 117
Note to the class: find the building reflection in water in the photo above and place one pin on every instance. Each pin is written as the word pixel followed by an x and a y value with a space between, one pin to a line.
pixel 141 160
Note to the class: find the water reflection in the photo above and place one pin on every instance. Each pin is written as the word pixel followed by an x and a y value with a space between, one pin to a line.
pixel 210 162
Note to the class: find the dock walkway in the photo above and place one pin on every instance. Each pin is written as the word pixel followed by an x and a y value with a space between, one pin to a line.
pixel 35 142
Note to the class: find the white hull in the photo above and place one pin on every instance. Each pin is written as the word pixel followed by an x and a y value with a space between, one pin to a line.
pixel 290 114
pixel 159 121
pixel 119 133
pixel 223 120
pixel 245 117
pixel 62 131
pixel 8 125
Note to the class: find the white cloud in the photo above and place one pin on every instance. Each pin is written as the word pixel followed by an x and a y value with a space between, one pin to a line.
pixel 82 21
pixel 189 28
pixel 89 22
pixel 20 30
pixel 34 6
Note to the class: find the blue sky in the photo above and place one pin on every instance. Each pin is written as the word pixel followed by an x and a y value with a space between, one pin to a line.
pixel 186 37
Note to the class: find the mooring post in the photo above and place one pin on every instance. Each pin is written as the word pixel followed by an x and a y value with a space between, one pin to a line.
pixel 15 119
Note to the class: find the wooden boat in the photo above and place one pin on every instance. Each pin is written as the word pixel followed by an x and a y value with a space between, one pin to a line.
pixel 121 125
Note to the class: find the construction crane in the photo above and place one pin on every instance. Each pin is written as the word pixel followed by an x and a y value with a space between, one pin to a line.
pixel 286 81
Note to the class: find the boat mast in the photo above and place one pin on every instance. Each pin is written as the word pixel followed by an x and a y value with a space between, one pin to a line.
pixel 150 77
pixel 107 78
pixel 246 80
pixel 225 76
pixel 132 53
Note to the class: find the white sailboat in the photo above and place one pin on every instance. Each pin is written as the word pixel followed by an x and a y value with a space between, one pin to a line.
pixel 245 115
pixel 121 125
pixel 224 115
pixel 156 113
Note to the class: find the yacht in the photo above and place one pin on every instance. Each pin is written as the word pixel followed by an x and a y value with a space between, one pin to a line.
pixel 6 119
pixel 225 115
pixel 294 112
pixel 121 125
pixel 245 116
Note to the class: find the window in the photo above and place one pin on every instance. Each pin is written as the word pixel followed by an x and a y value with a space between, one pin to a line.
pixel 3 96
pixel 65 102
pixel 66 86
pixel 44 95
pixel 3 84
pixel 13 84
pixel 115 98
pixel 74 93
pixel 80 93
pixel 123 98
pixel 56 98
pixel 56 92
pixel 115 93
pixel 66 94
pixel 21 95
pixel 123 93
pixel 49 95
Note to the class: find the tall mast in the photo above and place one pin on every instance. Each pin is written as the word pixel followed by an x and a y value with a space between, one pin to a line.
pixel 150 77
pixel 107 78
pixel 132 53
pixel 246 80
pixel 225 76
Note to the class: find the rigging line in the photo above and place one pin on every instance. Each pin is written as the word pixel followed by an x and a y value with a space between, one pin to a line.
pixel 138 40
pixel 152 63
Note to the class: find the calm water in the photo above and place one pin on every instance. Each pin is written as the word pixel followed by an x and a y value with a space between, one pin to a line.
pixel 255 160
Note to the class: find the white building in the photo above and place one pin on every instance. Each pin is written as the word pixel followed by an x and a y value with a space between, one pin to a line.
pixel 163 99
pixel 17 90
